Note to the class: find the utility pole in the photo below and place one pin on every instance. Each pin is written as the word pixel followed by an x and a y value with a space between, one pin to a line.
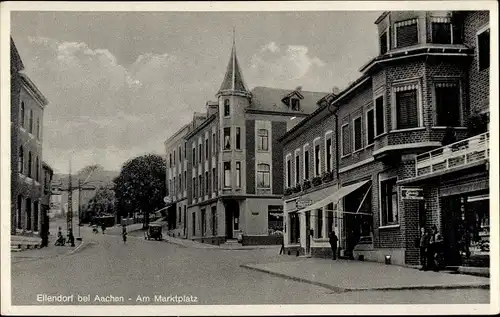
pixel 79 207
pixel 70 207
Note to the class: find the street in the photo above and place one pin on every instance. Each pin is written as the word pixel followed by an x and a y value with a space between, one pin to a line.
pixel 135 272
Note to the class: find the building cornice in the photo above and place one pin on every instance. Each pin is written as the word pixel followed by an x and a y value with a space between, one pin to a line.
pixel 33 90
pixel 427 49
pixel 278 113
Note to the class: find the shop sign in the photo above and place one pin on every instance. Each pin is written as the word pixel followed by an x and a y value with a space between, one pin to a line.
pixel 303 203
pixel 412 193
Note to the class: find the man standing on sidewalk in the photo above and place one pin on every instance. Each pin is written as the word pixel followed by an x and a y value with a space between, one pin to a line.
pixel 423 244
pixel 333 243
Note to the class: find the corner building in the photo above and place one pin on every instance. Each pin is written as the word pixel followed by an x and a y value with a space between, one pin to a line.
pixel 234 168
pixel 417 88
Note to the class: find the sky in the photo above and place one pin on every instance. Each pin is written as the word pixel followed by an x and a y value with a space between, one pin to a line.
pixel 120 83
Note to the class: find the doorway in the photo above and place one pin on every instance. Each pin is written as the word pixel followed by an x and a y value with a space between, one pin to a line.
pixel 232 209
pixel 308 233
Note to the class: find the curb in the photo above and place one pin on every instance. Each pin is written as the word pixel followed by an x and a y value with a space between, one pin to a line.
pixel 343 290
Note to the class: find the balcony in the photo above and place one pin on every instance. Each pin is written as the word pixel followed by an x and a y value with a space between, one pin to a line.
pixel 456 155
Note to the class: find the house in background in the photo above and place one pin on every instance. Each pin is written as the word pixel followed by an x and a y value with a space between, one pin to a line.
pixel 234 167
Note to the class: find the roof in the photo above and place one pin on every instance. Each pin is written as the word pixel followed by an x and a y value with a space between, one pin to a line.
pixel 16 63
pixel 381 17
pixel 264 98
pixel 233 79
pixel 184 129
pixel 47 167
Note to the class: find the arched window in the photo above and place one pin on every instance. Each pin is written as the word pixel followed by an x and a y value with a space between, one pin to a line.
pixel 21 160
pixel 227 108
pixel 30 161
pixel 263 176
pixel 22 114
pixel 263 140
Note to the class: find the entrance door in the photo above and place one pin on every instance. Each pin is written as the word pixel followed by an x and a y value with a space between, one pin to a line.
pixel 232 218
pixel 453 229
pixel 308 233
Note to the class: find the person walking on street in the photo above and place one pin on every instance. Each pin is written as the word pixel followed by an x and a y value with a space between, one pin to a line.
pixel 333 243
pixel 423 244
pixel 282 250
pixel 103 227
pixel 124 234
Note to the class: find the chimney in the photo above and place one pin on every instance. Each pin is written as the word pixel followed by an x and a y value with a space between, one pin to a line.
pixel 212 108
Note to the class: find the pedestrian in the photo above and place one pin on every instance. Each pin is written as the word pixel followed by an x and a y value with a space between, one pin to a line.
pixel 103 227
pixel 333 243
pixel 282 250
pixel 434 250
pixel 423 244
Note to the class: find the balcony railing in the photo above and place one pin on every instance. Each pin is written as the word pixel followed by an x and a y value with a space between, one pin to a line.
pixel 457 154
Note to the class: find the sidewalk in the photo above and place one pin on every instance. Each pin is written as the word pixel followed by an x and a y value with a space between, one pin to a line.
pixel 347 275
pixel 47 252
pixel 199 245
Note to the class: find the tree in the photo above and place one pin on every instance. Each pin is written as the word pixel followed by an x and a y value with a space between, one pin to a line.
pixel 141 185
pixel 102 203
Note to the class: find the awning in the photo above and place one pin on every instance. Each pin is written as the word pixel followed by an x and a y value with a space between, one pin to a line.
pixel 335 197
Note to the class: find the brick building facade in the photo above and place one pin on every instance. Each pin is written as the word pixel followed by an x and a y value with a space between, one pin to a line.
pixel 27 106
pixel 233 168
pixel 409 97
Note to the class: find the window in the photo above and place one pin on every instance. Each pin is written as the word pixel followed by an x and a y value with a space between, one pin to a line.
pixel 200 182
pixel 213 143
pixel 206 149
pixel 28 214
pixel 207 183
pixel 389 200
pixel 406 33
pixel 441 32
pixel 30 163
pixel 238 138
pixel 170 160
pixel 358 143
pixel 214 221
pixel 294 227
pixel 263 176
pixel 295 104
pixel 383 43
pixel 38 129
pixel 227 174
pixel 238 174
pixel 227 108
pixel 370 127
pixel 306 164
pixel 483 47
pixel 174 157
pixel 329 154
pixel 180 183
pixel 379 116
pixel 200 152
pixel 406 109
pixel 194 187
pixel 21 160
pixel 297 169
pixel 227 138
pixel 194 155
pixel 22 115
pixel 263 140
pixel 174 190
pixel 185 180
pixel 447 104
pixel 185 151
pixel 288 173
pixel 180 215
pixel 319 223
pixel 180 154
pixel 346 144
pixel 317 160
pixel 37 172
pixel 31 122
pixel 214 181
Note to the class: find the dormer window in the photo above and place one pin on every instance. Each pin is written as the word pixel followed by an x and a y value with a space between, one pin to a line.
pixel 406 33
pixel 227 108
pixel 383 43
pixel 442 30
pixel 295 104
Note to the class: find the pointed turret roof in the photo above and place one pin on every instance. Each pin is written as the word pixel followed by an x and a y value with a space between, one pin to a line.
pixel 233 80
